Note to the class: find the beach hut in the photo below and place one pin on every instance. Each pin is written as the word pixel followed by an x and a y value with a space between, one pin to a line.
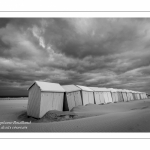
pixel 138 95
pixel 135 95
pixel 145 95
pixel 120 95
pixel 125 98
pixel 129 98
pixel 142 96
pixel 127 93
pixel 86 94
pixel 98 95
pixel 131 95
pixel 109 95
pixel 114 94
pixel 44 96
pixel 72 97
pixel 106 94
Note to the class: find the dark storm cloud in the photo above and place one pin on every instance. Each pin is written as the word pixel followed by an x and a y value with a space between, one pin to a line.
pixel 110 52
pixel 90 37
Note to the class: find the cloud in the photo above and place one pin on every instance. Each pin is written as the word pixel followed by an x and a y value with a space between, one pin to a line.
pixel 104 52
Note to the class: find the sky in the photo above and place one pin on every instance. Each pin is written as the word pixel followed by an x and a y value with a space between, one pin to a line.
pixel 101 52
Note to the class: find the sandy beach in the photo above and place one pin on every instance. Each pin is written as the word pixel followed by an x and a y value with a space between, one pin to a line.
pixel 133 116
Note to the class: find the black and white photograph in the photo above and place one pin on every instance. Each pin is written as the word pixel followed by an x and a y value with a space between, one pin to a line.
pixel 75 74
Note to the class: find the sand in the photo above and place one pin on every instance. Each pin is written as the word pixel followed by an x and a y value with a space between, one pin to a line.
pixel 133 116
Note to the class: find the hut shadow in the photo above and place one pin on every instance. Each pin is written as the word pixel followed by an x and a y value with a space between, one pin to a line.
pixel 50 116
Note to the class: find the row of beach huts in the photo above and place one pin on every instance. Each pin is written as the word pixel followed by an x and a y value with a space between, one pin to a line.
pixel 46 96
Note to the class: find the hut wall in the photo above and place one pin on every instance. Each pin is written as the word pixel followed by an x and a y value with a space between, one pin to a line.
pixel 33 108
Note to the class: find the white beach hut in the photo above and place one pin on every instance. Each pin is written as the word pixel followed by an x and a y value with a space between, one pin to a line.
pixel 44 96
pixel 114 94
pixel 134 93
pixel 124 93
pixel 86 94
pixel 138 96
pixel 98 95
pixel 72 97
pixel 144 95
pixel 131 95
pixel 128 95
pixel 120 95
pixel 109 95
pixel 106 94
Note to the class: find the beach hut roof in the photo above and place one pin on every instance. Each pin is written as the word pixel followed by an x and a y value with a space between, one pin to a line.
pixel 71 88
pixel 100 89
pixel 97 89
pixel 125 90
pixel 108 89
pixel 84 88
pixel 117 90
pixel 47 86
pixel 120 90
pixel 113 90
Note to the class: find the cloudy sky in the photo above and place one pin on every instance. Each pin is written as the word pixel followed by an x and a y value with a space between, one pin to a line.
pixel 108 52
